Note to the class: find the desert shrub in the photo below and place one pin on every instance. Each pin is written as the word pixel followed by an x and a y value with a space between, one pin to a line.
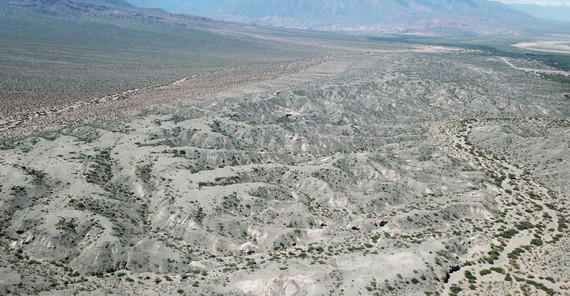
pixel 469 276
pixel 508 234
pixel 454 289
pixel 524 225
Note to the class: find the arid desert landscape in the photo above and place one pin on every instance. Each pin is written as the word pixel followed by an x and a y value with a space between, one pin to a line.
pixel 337 165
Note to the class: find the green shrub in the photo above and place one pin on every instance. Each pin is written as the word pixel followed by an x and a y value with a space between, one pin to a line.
pixel 536 241
pixel 454 289
pixel 524 225
pixel 508 234
pixel 541 286
pixel 469 275
pixel 497 270
pixel 375 238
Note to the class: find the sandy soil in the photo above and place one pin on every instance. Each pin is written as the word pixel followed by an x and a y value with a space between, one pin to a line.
pixel 546 46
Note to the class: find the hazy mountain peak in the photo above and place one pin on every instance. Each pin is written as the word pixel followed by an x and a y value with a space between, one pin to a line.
pixel 557 13
pixel 361 15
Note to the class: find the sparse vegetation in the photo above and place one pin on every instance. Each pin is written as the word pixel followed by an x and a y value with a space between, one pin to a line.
pixel 342 162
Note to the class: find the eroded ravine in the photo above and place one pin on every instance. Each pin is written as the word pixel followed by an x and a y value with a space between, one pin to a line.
pixel 526 209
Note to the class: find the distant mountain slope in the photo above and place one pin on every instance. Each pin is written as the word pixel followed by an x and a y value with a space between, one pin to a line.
pixel 118 10
pixel 57 52
pixel 557 13
pixel 451 16
pixel 198 7
pixel 365 11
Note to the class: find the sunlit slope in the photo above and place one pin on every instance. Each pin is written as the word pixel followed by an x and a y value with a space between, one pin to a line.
pixel 60 53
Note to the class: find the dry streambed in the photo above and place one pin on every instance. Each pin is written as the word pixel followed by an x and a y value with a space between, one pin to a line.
pixel 533 218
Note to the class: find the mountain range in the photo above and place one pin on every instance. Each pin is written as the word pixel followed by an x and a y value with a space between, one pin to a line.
pixel 455 17
pixel 557 13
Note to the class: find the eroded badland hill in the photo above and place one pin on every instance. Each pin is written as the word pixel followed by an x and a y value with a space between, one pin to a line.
pixel 359 168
